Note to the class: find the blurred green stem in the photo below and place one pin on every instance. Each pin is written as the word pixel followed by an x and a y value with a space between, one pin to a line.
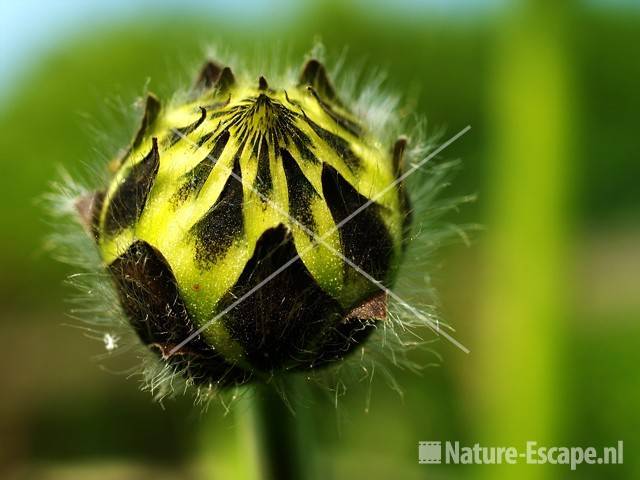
pixel 519 359
pixel 279 429
pixel 273 440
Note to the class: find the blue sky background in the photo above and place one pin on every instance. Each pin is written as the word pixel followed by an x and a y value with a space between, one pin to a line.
pixel 29 27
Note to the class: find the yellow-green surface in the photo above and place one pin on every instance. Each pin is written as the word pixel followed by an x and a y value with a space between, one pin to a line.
pixel 166 221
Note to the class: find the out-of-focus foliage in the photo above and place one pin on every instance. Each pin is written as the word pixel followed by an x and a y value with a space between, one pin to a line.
pixel 60 409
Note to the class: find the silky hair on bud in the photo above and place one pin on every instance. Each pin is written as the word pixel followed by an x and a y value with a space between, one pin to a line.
pixel 260 224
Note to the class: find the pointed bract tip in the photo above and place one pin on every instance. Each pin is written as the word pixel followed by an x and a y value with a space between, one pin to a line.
pixel 152 108
pixel 226 80
pixel 398 153
pixel 315 75
pixel 208 76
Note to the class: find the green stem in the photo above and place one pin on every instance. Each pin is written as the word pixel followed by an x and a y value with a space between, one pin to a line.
pixel 279 434
pixel 525 290
pixel 275 433
pixel 272 438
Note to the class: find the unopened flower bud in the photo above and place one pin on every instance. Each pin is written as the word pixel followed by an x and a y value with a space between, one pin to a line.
pixel 238 225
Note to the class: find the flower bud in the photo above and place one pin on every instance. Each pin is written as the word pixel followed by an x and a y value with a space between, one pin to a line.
pixel 240 227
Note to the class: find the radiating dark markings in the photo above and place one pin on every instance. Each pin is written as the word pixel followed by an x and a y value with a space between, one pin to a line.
pixel 255 141
pixel 223 224
pixel 279 323
pixel 203 139
pixel 301 192
pixel 266 117
pixel 177 133
pixel 349 125
pixel 218 114
pixel 303 143
pixel 198 175
pixel 263 183
pixel 365 239
pixel 128 201
pixel 337 143
pixel 150 298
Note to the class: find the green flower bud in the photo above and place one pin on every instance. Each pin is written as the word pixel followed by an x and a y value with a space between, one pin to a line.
pixel 260 193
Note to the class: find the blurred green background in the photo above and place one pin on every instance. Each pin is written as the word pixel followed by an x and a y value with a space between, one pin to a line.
pixel 547 297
